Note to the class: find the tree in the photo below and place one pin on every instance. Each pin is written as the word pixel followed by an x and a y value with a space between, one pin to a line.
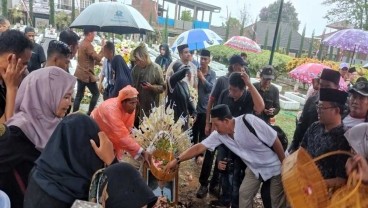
pixel 354 11
pixel 30 5
pixel 302 43
pixel 186 16
pixel 228 23
pixel 52 12
pixel 73 10
pixel 321 45
pixel 244 17
pixel 4 6
pixel 233 22
pixel 265 43
pixel 278 41
pixel 254 35
pixel 289 15
pixel 311 46
pixel 289 42
pixel 63 20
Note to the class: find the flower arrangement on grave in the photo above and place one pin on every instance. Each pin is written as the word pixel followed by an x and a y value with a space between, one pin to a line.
pixel 163 138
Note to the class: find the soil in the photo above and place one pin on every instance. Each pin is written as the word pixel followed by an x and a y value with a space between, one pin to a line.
pixel 188 186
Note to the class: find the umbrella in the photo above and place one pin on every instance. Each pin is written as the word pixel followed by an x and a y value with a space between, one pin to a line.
pixel 243 44
pixel 112 17
pixel 306 72
pixel 197 39
pixel 349 39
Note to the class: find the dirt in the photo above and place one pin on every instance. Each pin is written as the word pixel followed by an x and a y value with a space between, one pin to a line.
pixel 188 186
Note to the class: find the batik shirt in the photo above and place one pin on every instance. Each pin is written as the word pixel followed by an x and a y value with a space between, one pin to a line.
pixel 318 142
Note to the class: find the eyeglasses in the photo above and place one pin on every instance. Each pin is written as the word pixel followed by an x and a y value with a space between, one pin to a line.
pixel 321 107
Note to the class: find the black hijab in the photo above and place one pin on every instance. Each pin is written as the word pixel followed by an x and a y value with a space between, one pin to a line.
pixel 123 75
pixel 126 188
pixel 66 166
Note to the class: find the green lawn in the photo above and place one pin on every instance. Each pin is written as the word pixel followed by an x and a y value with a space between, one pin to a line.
pixel 286 120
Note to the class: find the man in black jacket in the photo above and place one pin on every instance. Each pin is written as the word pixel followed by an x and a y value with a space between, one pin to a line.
pixel 329 79
pixel 178 94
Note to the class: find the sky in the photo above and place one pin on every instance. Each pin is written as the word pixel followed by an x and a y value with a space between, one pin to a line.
pixel 310 12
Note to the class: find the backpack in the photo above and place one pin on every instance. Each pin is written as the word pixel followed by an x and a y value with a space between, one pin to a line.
pixel 280 134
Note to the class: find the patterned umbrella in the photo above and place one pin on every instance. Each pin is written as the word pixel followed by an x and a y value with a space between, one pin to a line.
pixel 350 39
pixel 197 39
pixel 243 44
pixel 306 72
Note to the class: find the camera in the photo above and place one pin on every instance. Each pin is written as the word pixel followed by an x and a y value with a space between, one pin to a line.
pixel 229 165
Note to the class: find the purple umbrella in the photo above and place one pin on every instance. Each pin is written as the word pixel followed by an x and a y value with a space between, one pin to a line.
pixel 349 39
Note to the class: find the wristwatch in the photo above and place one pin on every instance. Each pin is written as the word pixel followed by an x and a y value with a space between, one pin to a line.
pixel 177 160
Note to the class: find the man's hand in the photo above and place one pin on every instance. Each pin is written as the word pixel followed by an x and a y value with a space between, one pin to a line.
pixel 269 111
pixel 13 74
pixel 171 166
pixel 106 150
pixel 147 86
pixel 199 160
pixel 100 88
pixel 245 78
pixel 221 165
pixel 208 129
pixel 147 157
pixel 359 164
pixel 200 75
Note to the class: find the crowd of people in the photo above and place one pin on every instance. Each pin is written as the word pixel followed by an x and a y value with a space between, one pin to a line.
pixel 51 157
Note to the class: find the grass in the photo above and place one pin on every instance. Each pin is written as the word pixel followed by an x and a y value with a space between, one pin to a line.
pixel 286 120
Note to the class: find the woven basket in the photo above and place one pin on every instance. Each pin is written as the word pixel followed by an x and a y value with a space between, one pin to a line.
pixel 303 183
pixel 353 195
pixel 160 174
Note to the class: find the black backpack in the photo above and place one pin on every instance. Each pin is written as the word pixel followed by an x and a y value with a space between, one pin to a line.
pixel 280 134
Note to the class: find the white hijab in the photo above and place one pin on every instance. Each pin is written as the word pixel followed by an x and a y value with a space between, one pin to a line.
pixel 357 137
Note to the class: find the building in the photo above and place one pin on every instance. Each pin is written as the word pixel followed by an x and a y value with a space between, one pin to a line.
pixel 259 29
pixel 154 12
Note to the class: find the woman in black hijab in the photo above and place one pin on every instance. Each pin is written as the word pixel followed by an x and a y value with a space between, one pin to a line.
pixel 64 170
pixel 164 59
pixel 121 186
pixel 123 75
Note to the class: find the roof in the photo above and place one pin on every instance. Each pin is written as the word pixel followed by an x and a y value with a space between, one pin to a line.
pixel 261 30
pixel 200 5
pixel 344 24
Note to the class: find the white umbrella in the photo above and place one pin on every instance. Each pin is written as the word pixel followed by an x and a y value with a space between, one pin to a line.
pixel 112 17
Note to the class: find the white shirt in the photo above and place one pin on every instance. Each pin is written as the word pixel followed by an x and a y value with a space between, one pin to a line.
pixel 350 122
pixel 166 192
pixel 192 80
pixel 256 155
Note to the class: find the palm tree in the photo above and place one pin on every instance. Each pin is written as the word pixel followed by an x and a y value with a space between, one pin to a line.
pixel 52 12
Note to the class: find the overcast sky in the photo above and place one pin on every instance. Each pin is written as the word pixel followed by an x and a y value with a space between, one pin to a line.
pixel 310 12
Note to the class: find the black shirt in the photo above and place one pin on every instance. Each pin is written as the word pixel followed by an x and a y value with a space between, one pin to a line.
pixel 37 58
pixel 244 105
pixel 308 117
pixel 318 142
pixel 271 100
